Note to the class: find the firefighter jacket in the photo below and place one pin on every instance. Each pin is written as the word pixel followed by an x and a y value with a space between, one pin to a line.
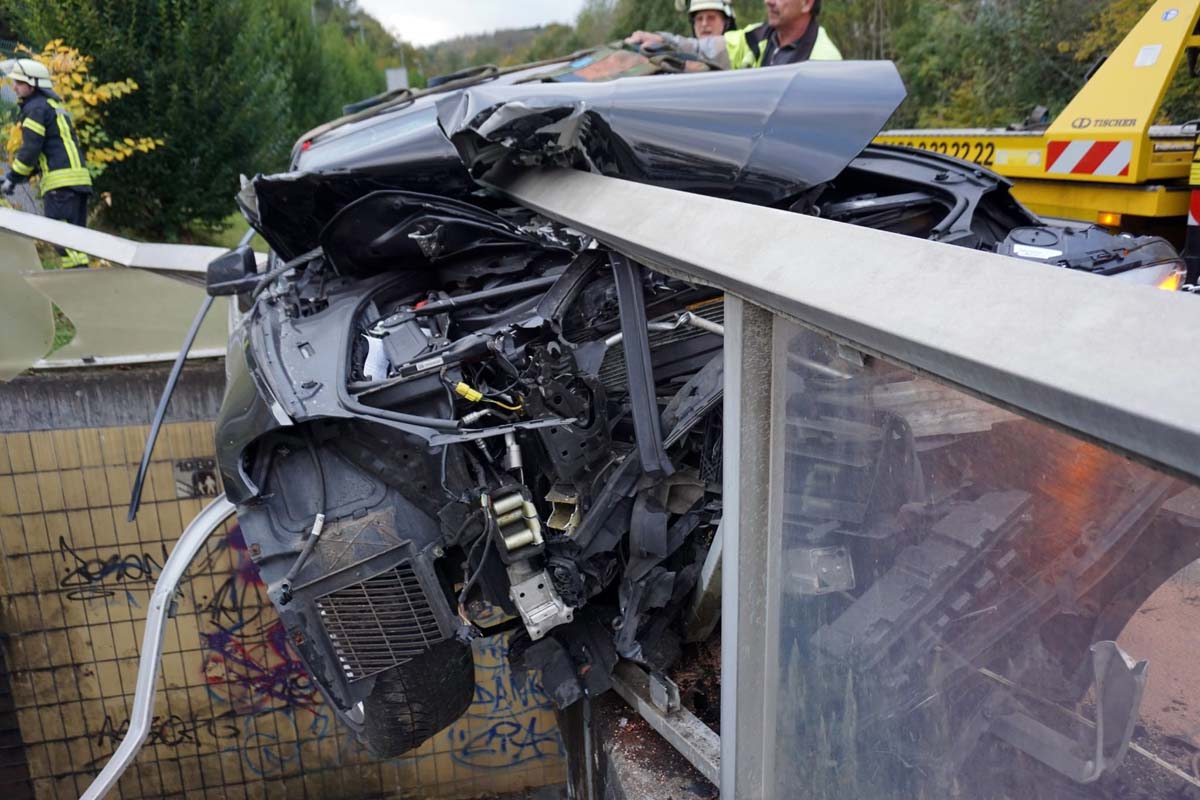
pixel 49 144
pixel 755 46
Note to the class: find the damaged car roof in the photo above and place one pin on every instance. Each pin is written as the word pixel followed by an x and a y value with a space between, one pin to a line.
pixel 758 136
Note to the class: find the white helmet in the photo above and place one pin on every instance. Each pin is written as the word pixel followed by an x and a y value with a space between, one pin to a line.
pixel 695 6
pixel 32 72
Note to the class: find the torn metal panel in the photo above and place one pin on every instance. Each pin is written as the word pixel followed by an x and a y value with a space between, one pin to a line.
pixel 26 321
pixel 174 257
pixel 124 315
pixel 778 132
pixel 758 135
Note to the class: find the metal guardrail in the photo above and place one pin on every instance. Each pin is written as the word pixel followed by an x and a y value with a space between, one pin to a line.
pixel 1104 360
pixel 161 602
pixel 179 260
pixel 1098 360
pixel 122 316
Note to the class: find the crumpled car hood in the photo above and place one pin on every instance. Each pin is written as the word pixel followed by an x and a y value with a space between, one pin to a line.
pixel 757 136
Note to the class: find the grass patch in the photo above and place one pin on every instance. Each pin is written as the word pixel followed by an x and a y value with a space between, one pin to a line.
pixel 64 330
pixel 235 228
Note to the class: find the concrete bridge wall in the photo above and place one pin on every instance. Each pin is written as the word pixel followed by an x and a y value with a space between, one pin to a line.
pixel 237 715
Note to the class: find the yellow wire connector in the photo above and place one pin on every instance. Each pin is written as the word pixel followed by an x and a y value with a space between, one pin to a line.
pixel 467 393
pixel 472 395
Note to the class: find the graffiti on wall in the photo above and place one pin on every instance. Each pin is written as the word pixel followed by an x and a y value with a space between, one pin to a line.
pixel 510 720
pixel 99 578
pixel 235 705
pixel 263 704
pixel 247 663
pixel 251 673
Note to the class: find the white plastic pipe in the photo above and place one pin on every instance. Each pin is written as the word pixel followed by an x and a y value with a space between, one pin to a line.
pixel 189 544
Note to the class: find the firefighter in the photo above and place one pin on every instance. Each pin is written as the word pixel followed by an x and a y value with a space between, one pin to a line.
pixel 709 17
pixel 791 34
pixel 50 146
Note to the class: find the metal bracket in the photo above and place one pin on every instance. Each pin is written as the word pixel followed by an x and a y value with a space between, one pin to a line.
pixel 539 604
pixel 681 728
pixel 639 370
pixel 1119 686
pixel 664 693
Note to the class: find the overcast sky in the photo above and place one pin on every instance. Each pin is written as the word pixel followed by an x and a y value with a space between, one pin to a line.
pixel 423 22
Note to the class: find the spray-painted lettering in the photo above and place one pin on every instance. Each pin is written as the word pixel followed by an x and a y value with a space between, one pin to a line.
pixel 96 578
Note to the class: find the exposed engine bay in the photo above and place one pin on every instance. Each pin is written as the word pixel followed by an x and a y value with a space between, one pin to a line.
pixel 448 416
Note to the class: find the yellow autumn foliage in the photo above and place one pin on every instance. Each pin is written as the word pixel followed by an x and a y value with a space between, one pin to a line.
pixel 84 97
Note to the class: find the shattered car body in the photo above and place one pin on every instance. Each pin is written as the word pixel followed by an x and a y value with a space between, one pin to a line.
pixel 441 404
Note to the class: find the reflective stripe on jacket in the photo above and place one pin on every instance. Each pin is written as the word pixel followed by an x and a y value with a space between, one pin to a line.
pixel 746 47
pixel 49 144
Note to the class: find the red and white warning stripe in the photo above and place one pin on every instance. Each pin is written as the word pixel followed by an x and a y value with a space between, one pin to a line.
pixel 1084 157
pixel 1194 209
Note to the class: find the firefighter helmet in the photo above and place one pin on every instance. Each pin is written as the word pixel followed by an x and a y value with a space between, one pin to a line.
pixel 696 6
pixel 32 72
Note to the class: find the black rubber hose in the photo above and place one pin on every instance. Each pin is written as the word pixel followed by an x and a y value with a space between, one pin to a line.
pixel 483 560
pixel 484 295
pixel 135 498
pixel 312 453
pixel 311 542
pixel 408 419
pixel 267 279
pixel 960 207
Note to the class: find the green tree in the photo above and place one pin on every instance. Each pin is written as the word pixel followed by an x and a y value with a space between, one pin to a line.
pixel 866 29
pixel 228 85
pixel 212 88
pixel 326 64
pixel 967 63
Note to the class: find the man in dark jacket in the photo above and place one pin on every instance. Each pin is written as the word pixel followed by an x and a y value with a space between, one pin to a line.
pixel 49 146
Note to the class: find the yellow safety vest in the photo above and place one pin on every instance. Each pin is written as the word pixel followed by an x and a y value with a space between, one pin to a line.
pixel 50 145
pixel 744 54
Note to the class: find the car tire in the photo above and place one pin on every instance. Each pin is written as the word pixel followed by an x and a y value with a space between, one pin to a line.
pixel 412 702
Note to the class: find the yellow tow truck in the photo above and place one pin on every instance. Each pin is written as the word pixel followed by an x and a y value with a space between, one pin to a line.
pixel 1102 160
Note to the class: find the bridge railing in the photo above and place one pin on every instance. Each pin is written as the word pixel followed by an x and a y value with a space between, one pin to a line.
pixel 951 481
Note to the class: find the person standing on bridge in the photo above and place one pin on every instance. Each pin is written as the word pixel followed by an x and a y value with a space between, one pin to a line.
pixel 792 34
pixel 49 145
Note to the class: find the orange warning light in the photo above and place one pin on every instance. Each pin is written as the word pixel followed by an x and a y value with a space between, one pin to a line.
pixel 1172 282
pixel 1109 219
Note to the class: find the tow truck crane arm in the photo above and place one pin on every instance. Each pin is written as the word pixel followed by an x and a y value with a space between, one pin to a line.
pixel 1103 156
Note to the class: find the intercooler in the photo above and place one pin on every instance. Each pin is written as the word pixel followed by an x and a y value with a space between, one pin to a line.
pixel 674 353
pixel 379 623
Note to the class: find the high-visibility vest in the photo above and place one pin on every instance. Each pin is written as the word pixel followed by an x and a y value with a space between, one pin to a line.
pixel 746 47
pixel 49 144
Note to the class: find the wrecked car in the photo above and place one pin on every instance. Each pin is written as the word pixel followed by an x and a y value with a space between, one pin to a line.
pixel 448 415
